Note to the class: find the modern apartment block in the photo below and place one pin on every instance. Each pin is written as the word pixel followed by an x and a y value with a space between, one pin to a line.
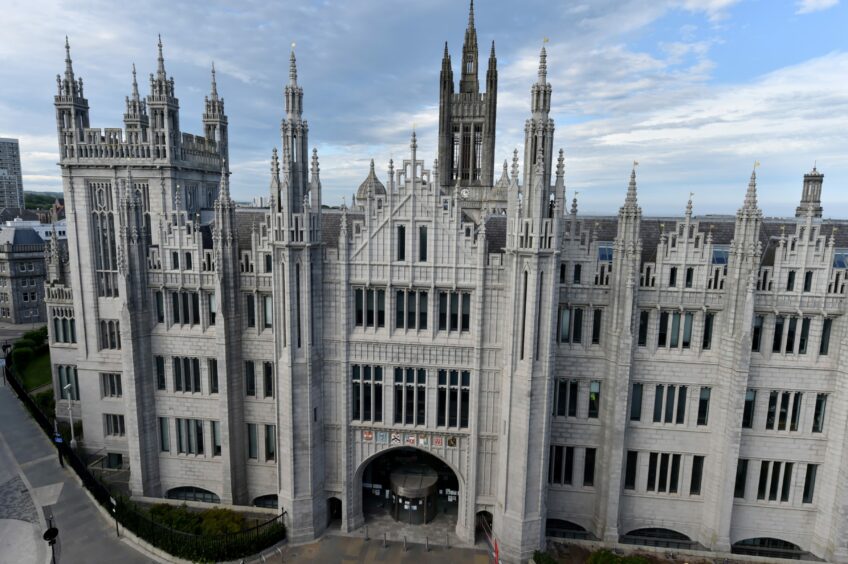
pixel 11 178
pixel 672 381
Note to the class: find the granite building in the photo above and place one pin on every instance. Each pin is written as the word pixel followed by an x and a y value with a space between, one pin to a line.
pixel 671 381
pixel 11 178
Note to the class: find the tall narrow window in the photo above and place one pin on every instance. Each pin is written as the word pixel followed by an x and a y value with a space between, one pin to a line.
pixel 708 331
pixel 775 480
pixel 741 478
pixel 690 275
pixel 796 411
pixel 422 243
pixel 596 326
pixel 697 475
pixel 212 366
pixel 268 311
pixel 757 333
pixel 212 308
pixel 636 402
pixel 572 398
pixel 652 472
pixel 762 484
pixel 680 417
pixel 818 414
pixel 594 399
pixel 787 481
pixel 577 330
pixel 250 378
pixel 675 330
pixel 669 403
pixel 808 281
pixel 662 334
pixel 359 307
pixel 252 445
pixel 825 336
pixel 216 438
pixel 270 442
pixel 687 330
pixel 748 412
pixel 790 281
pixel 578 271
pixel 672 277
pixel 810 483
pixel 160 308
pixel 644 317
pixel 251 310
pixel 401 242
pixel 778 334
pixel 466 313
pixel 160 373
pixel 268 379
pixel 704 406
pixel 674 474
pixel 790 335
pixel 771 414
pixel 164 438
pixel 630 470
pixel 589 468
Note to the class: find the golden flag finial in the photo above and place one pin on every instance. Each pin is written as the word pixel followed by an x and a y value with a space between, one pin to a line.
pixel 293 45
pixel 545 40
pixel 756 164
pixel 635 164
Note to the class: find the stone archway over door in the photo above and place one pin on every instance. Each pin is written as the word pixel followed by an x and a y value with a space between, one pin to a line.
pixel 372 480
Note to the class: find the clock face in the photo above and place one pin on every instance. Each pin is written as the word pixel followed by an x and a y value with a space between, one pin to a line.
pixel 464 192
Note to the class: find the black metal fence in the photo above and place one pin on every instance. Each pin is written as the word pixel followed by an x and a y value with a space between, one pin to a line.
pixel 200 548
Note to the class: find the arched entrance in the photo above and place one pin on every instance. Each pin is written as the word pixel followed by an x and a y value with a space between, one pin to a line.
pixel 410 486
pixel 483 531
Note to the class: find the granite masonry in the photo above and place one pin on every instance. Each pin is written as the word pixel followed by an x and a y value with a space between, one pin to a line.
pixel 669 381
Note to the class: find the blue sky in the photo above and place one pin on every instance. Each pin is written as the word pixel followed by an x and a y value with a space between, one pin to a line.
pixel 695 90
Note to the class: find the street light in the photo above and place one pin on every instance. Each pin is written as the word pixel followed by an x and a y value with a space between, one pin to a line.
pixel 67 389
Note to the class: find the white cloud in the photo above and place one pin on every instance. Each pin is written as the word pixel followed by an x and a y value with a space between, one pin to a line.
pixel 809 6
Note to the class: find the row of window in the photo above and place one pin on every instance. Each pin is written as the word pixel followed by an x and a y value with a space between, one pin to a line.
pixel 410 396
pixel 68 382
pixel 189 435
pixel 786 329
pixel 670 403
pixel 570 325
pixel 775 480
pixel 64 330
pixel 778 414
pixel 566 396
pixel 110 334
pixel 674 329
pixel 562 462
pixel 187 376
pixel 664 472
pixel 411 309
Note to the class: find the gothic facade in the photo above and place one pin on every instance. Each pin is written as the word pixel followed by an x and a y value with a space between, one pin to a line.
pixel 672 381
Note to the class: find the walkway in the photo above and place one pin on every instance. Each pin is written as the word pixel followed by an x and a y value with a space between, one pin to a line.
pixel 33 487
pixel 347 550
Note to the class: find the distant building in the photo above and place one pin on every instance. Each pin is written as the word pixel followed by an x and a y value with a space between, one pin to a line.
pixel 11 179
pixel 44 230
pixel 22 269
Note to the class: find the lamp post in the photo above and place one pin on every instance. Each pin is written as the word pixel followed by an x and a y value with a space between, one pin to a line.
pixel 67 389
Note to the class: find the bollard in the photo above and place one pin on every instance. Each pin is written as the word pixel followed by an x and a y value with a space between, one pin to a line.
pixel 384 540
pixel 366 533
pixel 427 544
pixel 404 543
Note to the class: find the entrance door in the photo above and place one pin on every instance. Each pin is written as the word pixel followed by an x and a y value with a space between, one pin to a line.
pixel 334 512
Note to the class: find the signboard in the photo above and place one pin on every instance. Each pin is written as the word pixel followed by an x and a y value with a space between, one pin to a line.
pixel 395 438
pixel 367 436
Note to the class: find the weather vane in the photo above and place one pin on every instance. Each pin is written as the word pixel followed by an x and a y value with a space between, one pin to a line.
pixel 635 164
pixel 293 45
pixel 756 164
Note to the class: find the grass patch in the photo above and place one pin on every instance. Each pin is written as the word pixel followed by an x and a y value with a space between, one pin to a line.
pixel 36 373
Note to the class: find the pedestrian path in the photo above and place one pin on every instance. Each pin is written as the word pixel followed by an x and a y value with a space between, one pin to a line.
pixel 35 488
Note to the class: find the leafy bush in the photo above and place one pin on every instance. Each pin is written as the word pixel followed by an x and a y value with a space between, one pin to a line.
pixel 24 343
pixel 635 560
pixel 218 521
pixel 37 336
pixel 176 517
pixel 45 402
pixel 540 557
pixel 21 356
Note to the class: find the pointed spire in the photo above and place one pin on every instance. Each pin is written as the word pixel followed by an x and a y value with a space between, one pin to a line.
pixel 505 173
pixel 160 69
pixel 689 205
pixel 214 83
pixel 751 195
pixel 471 15
pixel 224 193
pixel 515 165
pixel 292 66
pixel 574 204
pixel 275 165
pixel 316 169
pixel 446 56
pixel 631 188
pixel 69 68
pixel 492 52
pixel 560 170
pixel 413 143
pixel 543 65
pixel 135 95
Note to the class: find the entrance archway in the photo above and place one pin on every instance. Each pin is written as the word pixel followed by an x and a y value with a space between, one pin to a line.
pixel 483 529
pixel 410 486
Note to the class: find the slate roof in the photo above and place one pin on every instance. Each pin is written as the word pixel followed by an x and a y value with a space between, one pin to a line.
pixel 9 214
pixel 20 236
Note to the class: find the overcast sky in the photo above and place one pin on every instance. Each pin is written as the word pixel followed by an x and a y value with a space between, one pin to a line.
pixel 695 90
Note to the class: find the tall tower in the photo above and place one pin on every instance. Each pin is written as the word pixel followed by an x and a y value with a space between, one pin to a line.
pixel 297 293
pixel 467 120
pixel 532 263
pixel 811 194
pixel 164 110
pixel 71 109
pixel 539 127
pixel 136 120
pixel 215 120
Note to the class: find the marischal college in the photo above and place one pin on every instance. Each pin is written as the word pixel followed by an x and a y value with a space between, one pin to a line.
pixel 459 344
